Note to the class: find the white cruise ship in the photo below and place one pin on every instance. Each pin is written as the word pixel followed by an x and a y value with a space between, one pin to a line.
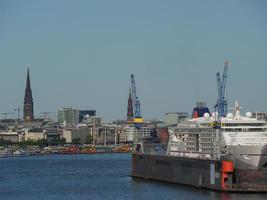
pixel 242 139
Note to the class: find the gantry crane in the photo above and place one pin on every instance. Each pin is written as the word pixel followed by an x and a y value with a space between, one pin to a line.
pixel 138 120
pixel 6 114
pixel 221 106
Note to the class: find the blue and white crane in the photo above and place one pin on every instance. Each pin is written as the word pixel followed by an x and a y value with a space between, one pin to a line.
pixel 138 120
pixel 221 105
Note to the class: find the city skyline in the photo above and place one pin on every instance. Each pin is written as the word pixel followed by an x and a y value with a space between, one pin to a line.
pixel 81 54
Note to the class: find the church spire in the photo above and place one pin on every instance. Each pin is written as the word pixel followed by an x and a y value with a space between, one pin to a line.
pixel 28 83
pixel 28 101
pixel 130 114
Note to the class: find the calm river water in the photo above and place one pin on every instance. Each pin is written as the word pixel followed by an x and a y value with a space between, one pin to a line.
pixel 98 176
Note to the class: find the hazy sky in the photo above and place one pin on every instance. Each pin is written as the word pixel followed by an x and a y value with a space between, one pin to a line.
pixel 81 54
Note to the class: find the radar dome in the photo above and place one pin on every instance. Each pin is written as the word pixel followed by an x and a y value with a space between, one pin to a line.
pixel 229 115
pixel 206 115
pixel 249 114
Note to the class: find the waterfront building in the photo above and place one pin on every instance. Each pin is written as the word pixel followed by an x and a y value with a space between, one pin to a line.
pixel 32 124
pixel 71 135
pixel 34 136
pixel 68 116
pixel 5 123
pixel 9 137
pixel 79 134
pixel 107 135
pixel 120 122
pixel 128 133
pixel 52 135
pixel 28 114
pixel 173 118
pixel 121 135
pixel 145 131
pixel 94 121
pixel 86 114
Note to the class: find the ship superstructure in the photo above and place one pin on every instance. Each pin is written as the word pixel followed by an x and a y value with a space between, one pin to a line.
pixel 243 139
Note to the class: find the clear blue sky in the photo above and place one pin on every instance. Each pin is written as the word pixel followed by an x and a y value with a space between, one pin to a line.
pixel 81 54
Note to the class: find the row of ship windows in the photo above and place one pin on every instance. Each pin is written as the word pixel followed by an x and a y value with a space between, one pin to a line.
pixel 194 130
pixel 191 144
pixel 190 149
pixel 199 130
pixel 244 124
pixel 194 134
pixel 206 140
pixel 201 144
pixel 204 149
pixel 206 144
pixel 207 135
pixel 226 130
pixel 245 130
pixel 202 135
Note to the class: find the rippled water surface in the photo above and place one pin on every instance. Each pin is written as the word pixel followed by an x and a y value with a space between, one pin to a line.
pixel 98 176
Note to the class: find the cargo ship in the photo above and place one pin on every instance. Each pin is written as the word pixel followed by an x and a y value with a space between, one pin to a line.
pixel 219 151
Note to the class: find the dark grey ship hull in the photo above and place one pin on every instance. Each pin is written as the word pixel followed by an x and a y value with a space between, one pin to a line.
pixel 209 174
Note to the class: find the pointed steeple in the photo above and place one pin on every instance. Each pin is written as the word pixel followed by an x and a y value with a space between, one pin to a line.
pixel 28 101
pixel 130 113
pixel 28 83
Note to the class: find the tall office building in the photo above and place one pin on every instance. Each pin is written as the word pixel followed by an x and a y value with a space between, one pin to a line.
pixel 28 101
pixel 68 116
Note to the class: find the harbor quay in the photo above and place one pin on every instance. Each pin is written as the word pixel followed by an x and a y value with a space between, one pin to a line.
pixel 32 150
